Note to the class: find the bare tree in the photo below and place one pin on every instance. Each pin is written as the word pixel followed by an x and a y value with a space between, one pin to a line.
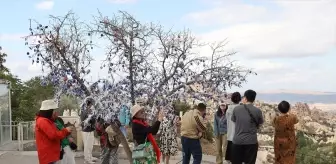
pixel 130 43
pixel 181 64
pixel 63 48
pixel 161 63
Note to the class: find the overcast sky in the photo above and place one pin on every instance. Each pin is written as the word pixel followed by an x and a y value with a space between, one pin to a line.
pixel 290 43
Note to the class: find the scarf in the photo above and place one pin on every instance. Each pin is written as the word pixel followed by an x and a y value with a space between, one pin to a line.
pixel 151 139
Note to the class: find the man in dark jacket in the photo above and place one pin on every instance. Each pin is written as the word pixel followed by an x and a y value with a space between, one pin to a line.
pixel 88 128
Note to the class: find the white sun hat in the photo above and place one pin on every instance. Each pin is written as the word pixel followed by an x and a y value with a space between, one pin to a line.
pixel 135 109
pixel 49 104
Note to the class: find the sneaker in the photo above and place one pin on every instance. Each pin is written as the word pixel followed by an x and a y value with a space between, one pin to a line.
pixel 94 159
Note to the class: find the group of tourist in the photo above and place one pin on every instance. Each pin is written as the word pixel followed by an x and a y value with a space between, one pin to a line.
pixel 235 128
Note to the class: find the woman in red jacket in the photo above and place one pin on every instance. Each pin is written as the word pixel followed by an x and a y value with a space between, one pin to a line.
pixel 48 137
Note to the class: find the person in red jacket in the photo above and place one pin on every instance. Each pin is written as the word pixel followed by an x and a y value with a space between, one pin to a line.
pixel 47 136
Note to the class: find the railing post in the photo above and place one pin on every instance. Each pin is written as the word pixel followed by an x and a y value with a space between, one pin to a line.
pixel 10 111
pixel 1 129
pixel 20 136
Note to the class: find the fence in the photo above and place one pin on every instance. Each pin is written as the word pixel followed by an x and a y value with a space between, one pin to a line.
pixel 21 133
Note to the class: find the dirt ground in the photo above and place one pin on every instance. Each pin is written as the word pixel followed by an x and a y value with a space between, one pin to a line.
pixel 208 148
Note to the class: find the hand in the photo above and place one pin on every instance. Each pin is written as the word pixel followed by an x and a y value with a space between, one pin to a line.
pixel 69 128
pixel 200 134
pixel 160 117
pixel 71 140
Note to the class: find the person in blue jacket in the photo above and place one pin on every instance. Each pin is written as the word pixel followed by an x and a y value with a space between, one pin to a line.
pixel 124 118
pixel 220 131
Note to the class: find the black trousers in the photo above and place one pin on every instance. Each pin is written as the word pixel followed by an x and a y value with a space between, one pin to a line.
pixel 244 153
pixel 191 147
pixel 228 153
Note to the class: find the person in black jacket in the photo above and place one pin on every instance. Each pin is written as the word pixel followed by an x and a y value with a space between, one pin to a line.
pixel 142 132
pixel 139 130
pixel 88 128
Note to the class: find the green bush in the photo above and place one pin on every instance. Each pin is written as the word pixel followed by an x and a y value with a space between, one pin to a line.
pixel 309 152
pixel 181 106
pixel 209 133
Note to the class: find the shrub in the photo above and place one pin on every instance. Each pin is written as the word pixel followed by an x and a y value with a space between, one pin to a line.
pixel 181 106
pixel 209 133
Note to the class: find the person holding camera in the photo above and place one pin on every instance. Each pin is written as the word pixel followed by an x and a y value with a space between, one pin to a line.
pixel 247 119
pixel 144 133
pixel 48 137
pixel 88 128
pixel 193 126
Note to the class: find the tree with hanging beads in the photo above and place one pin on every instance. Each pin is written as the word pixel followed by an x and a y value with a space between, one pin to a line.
pixel 183 62
pixel 130 45
pixel 63 50
pixel 164 65
pixel 181 65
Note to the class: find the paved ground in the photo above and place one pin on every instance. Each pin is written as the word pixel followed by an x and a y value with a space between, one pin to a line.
pixel 30 157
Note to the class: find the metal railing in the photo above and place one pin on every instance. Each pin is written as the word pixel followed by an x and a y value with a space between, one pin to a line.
pixel 15 134
pixel 25 132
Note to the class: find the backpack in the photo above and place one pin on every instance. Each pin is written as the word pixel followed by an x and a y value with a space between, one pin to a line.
pixel 112 137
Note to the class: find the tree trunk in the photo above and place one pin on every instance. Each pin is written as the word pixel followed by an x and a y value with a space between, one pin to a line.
pixel 123 141
pixel 131 75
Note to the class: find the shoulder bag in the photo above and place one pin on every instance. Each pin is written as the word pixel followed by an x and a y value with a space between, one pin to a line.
pixel 252 117
pixel 144 154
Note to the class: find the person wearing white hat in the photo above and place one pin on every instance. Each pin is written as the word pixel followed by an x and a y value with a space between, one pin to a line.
pixel 47 136
pixel 142 132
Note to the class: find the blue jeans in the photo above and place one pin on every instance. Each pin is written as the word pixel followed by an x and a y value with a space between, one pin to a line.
pixel 123 130
pixel 191 147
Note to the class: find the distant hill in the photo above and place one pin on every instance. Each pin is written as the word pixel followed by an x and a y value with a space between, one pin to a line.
pixel 326 98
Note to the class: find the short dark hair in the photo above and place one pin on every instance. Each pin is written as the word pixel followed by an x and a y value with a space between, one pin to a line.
pixel 201 107
pixel 236 97
pixel 284 106
pixel 250 95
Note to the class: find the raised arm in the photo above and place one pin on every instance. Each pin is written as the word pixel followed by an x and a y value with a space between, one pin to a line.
pixel 260 117
pixel 83 115
pixel 233 117
pixel 295 119
pixel 155 128
pixel 142 130
pixel 51 131
pixel 201 123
